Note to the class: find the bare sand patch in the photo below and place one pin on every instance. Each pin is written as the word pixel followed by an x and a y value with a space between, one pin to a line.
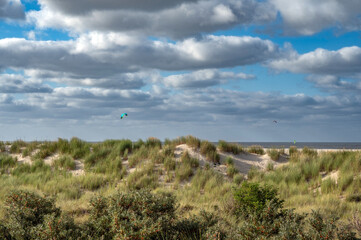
pixel 79 168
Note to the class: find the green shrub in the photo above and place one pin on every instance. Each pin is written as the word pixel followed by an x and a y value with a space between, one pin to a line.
pixel 57 227
pixel 65 162
pixel 150 214
pixel 25 211
pixel 256 149
pixel 252 198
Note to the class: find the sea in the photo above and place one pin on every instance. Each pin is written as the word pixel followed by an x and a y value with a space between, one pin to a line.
pixel 316 145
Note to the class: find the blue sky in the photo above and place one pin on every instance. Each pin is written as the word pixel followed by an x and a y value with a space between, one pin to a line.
pixel 215 69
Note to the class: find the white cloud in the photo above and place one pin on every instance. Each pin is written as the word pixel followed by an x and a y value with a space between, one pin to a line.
pixel 343 62
pixel 113 57
pixel 203 78
pixel 307 17
pixel 180 19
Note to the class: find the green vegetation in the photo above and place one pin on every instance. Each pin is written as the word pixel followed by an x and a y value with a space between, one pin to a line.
pixel 229 147
pixel 256 149
pixel 64 162
pixel 274 153
pixel 167 196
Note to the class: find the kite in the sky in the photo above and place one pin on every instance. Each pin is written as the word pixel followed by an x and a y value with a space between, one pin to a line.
pixel 274 121
pixel 123 115
pixel 294 141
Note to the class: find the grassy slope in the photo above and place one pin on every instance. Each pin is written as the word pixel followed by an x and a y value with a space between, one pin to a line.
pixel 195 188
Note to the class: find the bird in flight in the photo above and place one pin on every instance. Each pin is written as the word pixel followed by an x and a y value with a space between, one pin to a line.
pixel 274 121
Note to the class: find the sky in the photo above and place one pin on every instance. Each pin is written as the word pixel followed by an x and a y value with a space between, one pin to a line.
pixel 214 69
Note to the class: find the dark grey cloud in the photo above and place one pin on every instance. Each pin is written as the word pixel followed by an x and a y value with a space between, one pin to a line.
pixel 15 83
pixel 88 59
pixel 307 17
pixel 11 9
pixel 203 78
pixel 81 7
pixel 185 20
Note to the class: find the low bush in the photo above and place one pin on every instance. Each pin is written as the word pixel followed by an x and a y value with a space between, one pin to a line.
pixel 251 198
pixel 25 211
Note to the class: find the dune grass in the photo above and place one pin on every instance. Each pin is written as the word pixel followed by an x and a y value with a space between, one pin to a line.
pixel 229 147
pixel 302 183
pixel 256 149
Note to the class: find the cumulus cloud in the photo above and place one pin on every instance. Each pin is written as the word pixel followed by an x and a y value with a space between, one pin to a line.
pixel 85 61
pixel 331 83
pixel 203 78
pixel 343 62
pixel 15 83
pixel 307 17
pixel 175 19
pixel 11 9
